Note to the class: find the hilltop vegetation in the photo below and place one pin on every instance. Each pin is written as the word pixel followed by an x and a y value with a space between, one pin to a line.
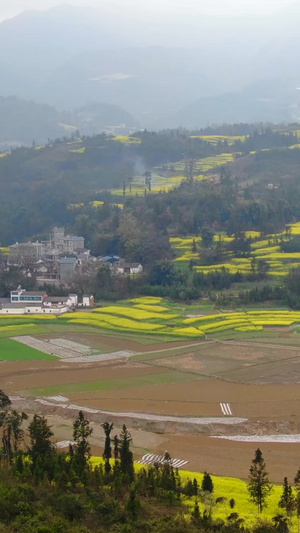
pixel 48 490
pixel 29 123
pixel 221 203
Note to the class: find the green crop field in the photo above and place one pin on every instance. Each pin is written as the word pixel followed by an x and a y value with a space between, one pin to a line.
pixel 116 384
pixel 11 350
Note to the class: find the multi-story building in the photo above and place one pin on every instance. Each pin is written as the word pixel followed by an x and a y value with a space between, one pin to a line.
pixel 25 253
pixel 57 268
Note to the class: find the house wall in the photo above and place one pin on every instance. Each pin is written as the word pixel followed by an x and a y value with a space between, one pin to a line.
pixel 55 310
pixel 12 311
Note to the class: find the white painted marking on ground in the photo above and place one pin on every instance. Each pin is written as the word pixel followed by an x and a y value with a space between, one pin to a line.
pixel 151 459
pixel 260 438
pixel 69 351
pixel 226 409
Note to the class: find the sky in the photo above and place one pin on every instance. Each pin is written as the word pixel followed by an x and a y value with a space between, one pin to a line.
pixel 10 8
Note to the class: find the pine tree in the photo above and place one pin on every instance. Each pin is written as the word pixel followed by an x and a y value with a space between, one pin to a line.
pixel 126 457
pixel 196 515
pixel 207 483
pixel 297 486
pixel 107 446
pixel 287 500
pixel 40 434
pixel 259 487
pixel 82 451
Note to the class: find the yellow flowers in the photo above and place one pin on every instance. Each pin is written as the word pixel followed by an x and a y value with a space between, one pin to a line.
pixel 100 203
pixel 126 139
pixel 132 312
pixel 215 139
pixel 16 327
pixel 244 321
pixel 188 332
pixel 153 308
pixel 148 300
pixel 4 250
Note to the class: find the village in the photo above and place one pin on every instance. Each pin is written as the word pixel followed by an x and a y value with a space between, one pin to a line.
pixel 56 263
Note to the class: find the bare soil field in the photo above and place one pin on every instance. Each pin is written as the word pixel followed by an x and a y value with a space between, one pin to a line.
pixel 260 382
pixel 240 362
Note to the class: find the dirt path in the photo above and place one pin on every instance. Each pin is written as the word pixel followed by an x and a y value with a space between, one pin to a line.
pixel 258 344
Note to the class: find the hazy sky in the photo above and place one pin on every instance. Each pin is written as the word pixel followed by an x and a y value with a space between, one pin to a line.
pixel 9 8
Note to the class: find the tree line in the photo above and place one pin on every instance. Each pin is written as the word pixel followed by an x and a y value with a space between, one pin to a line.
pixel 46 490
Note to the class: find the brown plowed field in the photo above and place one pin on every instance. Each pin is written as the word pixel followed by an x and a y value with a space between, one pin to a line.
pixel 259 382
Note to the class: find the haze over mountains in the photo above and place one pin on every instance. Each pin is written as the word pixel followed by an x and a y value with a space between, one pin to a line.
pixel 159 73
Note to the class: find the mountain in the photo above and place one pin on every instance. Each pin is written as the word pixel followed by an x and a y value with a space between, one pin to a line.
pixel 153 64
pixel 276 101
pixel 23 121
pixel 148 82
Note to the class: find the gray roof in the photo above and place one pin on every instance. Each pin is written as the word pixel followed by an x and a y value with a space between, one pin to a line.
pixel 56 299
pixel 33 293
pixel 67 260
pixel 73 238
pixel 19 305
pixel 4 300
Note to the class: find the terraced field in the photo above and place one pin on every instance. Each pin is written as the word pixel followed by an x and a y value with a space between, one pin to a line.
pixel 267 249
pixel 155 317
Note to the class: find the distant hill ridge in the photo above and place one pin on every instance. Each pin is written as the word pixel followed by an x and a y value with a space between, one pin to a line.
pixel 22 121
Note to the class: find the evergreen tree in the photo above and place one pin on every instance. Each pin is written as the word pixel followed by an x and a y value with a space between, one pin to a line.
pixel 116 446
pixel 287 500
pixel 40 444
pixel 12 433
pixel 82 451
pixel 297 486
pixel 126 457
pixel 207 483
pixel 107 446
pixel 259 487
pixel 196 515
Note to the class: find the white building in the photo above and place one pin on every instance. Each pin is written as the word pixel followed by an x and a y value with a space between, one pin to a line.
pixel 128 268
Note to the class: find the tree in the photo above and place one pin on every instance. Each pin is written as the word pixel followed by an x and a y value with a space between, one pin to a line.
pixel 287 500
pixel 259 487
pixel 163 273
pixel 116 446
pixel 82 452
pixel 40 434
pixel 207 483
pixel 104 279
pixel 207 237
pixel 126 457
pixel 12 433
pixel 107 446
pixel 297 486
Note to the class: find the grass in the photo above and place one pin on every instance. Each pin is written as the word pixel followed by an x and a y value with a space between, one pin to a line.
pixel 11 350
pixel 26 329
pixel 116 384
